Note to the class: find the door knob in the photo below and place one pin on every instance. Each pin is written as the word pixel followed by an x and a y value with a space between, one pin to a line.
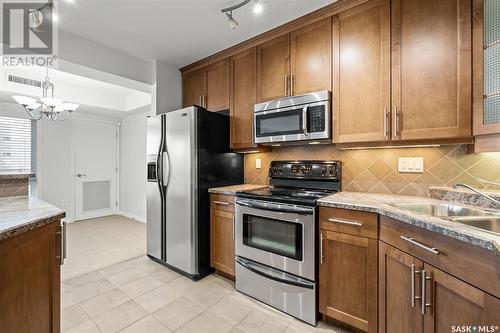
pixel 80 175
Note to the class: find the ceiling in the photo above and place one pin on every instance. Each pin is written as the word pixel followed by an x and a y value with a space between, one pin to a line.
pixel 94 96
pixel 178 32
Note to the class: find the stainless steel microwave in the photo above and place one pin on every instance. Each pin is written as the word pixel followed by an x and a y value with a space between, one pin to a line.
pixel 296 118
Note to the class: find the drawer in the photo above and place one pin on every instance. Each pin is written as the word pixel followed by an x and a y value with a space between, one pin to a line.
pixel 472 264
pixel 349 221
pixel 222 202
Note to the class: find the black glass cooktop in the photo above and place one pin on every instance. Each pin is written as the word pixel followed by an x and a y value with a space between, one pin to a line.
pixel 286 195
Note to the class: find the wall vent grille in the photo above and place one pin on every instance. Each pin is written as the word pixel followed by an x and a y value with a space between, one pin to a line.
pixel 22 80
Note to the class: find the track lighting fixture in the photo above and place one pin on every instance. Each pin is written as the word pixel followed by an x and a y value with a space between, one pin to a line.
pixel 257 9
pixel 232 22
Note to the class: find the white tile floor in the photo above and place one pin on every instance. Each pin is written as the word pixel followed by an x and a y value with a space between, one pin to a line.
pixel 141 296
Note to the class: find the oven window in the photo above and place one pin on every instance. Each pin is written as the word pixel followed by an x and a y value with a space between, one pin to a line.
pixel 279 123
pixel 275 236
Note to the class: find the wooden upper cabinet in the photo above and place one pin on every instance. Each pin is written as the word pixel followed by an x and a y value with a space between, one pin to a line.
pixel 217 90
pixel 193 88
pixel 348 279
pixel 243 92
pixel 431 69
pixel 273 68
pixel 207 87
pixel 311 58
pixel 396 313
pixel 361 73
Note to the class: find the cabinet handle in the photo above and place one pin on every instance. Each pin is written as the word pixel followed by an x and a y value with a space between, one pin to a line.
pixel 286 85
pixel 292 83
pixel 386 122
pixel 234 231
pixel 411 240
pixel 396 121
pixel 344 221
pixel 321 257
pixel 413 273
pixel 221 203
pixel 425 278
pixel 200 99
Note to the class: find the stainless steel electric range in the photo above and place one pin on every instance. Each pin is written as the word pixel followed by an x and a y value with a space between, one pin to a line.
pixel 276 235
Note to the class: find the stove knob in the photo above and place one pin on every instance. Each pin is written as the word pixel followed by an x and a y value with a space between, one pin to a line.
pixel 323 170
pixel 281 169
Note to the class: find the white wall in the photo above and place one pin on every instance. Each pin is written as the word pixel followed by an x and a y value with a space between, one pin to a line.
pixel 84 52
pixel 133 166
pixel 167 88
pixel 55 179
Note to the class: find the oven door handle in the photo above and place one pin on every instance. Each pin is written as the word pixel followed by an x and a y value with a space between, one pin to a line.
pixel 295 210
pixel 256 270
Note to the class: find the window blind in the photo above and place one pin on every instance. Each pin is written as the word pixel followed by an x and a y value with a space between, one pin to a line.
pixel 17 145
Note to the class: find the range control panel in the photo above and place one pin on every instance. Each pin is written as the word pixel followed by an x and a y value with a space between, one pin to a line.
pixel 328 170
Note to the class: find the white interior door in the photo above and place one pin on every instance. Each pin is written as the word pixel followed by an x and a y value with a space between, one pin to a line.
pixel 95 168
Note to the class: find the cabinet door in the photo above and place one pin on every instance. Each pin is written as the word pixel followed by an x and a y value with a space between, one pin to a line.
pixel 222 241
pixel 453 302
pixel 398 312
pixel 361 71
pixel 273 68
pixel 348 279
pixel 431 69
pixel 311 58
pixel 30 281
pixel 243 83
pixel 217 96
pixel 193 88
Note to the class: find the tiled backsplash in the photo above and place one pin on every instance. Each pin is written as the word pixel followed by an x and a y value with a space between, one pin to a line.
pixel 376 170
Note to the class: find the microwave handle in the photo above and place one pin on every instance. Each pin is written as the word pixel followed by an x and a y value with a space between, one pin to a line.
pixel 304 121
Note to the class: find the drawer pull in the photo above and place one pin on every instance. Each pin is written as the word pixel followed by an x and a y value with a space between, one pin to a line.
pixel 432 250
pixel 221 203
pixel 342 221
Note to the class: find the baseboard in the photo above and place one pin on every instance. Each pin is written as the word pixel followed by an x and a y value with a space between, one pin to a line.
pixel 133 216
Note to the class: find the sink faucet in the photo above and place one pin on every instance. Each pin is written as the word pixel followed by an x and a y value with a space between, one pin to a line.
pixel 478 192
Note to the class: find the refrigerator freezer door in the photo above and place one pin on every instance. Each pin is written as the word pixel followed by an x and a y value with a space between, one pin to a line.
pixel 180 139
pixel 154 199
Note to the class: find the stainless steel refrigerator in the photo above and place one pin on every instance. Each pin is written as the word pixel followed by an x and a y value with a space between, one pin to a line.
pixel 187 153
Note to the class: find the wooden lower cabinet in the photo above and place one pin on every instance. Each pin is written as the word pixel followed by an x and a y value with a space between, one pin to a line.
pixel 30 282
pixel 396 313
pixel 450 302
pixel 222 233
pixel 348 268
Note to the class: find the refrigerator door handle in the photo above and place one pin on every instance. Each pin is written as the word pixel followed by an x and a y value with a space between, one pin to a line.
pixel 159 174
pixel 165 168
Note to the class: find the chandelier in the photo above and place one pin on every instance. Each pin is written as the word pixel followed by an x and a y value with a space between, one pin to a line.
pixel 53 108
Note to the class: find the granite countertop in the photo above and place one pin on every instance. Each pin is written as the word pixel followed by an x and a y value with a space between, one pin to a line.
pixel 231 190
pixel 15 175
pixel 381 204
pixel 20 214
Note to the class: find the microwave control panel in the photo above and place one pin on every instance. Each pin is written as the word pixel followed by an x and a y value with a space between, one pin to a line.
pixel 316 115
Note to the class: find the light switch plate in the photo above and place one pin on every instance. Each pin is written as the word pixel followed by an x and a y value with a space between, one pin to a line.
pixel 258 163
pixel 411 164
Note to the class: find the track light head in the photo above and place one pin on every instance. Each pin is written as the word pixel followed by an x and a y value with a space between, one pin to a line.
pixel 257 7
pixel 232 22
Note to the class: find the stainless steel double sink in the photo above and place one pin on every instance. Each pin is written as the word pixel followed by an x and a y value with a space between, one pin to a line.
pixel 478 218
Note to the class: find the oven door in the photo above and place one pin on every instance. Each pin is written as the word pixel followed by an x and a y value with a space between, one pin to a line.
pixel 277 235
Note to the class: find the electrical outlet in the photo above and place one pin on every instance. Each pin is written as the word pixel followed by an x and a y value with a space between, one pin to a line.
pixel 258 163
pixel 411 164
